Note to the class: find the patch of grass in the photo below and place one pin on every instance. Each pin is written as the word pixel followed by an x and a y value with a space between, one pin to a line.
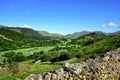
pixel 1 59
pixel 26 68
pixel 73 60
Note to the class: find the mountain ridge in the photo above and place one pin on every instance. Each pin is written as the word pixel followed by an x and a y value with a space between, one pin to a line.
pixel 77 34
pixel 46 33
pixel 34 33
pixel 38 34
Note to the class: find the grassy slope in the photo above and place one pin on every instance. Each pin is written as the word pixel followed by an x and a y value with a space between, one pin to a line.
pixel 45 33
pixel 30 50
pixel 13 35
pixel 26 68
pixel 26 51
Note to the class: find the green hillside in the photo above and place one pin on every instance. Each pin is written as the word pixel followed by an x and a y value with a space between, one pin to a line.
pixel 38 35
pixel 10 39
pixel 77 34
pixel 30 33
pixel 88 39
pixel 53 35
pixel 15 36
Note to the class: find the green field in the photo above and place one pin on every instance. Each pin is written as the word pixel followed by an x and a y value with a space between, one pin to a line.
pixel 26 51
pixel 27 67
pixel 30 50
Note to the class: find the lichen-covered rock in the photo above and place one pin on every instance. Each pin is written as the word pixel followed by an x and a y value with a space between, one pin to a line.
pixel 100 68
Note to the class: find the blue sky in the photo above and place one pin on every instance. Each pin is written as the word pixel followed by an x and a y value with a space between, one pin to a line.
pixel 62 16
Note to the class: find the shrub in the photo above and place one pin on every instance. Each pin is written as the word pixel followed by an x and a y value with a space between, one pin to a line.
pixel 63 56
pixel 19 57
pixel 13 68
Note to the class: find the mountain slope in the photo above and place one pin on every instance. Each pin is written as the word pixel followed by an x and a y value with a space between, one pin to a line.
pixel 29 32
pixel 39 35
pixel 77 34
pixel 5 38
pixel 45 33
pixel 114 33
pixel 17 38
pixel 12 40
pixel 89 38
pixel 94 35
pixel 9 34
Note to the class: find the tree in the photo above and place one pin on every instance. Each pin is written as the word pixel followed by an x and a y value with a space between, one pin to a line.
pixel 12 65
pixel 19 57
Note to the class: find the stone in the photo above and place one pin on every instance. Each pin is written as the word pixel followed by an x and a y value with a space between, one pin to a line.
pixel 38 77
pixel 106 58
pixel 54 76
pixel 67 64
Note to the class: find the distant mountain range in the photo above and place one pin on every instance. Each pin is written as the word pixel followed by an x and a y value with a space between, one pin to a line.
pixel 77 34
pixel 114 33
pixel 55 35
pixel 46 35
pixel 33 33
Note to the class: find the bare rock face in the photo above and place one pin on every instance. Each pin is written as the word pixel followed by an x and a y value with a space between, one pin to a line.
pixel 100 68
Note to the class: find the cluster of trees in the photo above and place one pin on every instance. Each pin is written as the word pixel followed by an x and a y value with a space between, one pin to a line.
pixel 11 61
pixel 88 39
pixel 14 57
pixel 98 48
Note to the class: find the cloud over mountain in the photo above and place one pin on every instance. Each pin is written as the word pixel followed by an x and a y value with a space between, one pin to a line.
pixel 26 26
pixel 111 24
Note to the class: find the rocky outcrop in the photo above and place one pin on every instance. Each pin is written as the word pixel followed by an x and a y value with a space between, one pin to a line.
pixel 100 68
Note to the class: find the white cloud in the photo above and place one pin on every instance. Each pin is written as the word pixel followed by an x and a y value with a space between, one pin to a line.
pixel 26 26
pixel 104 25
pixel 111 24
